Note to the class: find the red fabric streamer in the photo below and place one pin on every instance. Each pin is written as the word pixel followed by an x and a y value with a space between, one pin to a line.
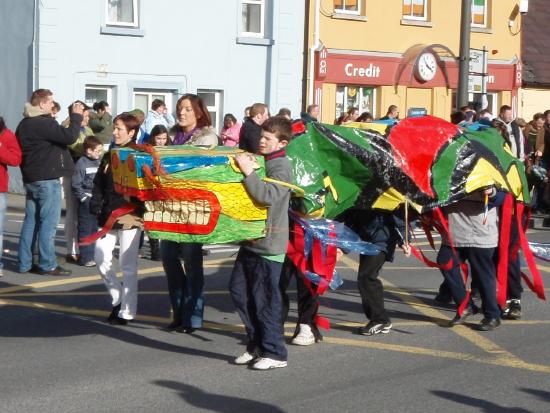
pixel 537 285
pixel 117 213
pixel 503 250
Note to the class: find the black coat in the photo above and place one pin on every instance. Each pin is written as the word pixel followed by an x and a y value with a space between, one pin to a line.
pixel 249 137
pixel 44 146
pixel 386 230
pixel 104 197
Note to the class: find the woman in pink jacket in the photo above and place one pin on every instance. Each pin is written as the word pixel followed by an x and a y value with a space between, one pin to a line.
pixel 10 154
pixel 230 131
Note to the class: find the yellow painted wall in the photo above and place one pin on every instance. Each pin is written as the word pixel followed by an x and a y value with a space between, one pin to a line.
pixel 328 108
pixel 532 101
pixel 384 31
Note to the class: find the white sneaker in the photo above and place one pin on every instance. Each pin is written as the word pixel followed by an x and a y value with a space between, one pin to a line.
pixel 305 337
pixel 267 364
pixel 245 358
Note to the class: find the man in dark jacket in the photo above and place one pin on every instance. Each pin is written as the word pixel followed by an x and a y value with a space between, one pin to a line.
pixel 45 159
pixel 249 137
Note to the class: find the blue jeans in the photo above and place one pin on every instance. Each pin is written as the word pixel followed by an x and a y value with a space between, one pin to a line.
pixel 3 207
pixel 42 212
pixel 185 286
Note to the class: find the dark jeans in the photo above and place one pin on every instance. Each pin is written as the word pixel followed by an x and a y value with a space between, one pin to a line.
pixel 185 283
pixel 482 266
pixel 371 288
pixel 87 225
pixel 254 288
pixel 308 303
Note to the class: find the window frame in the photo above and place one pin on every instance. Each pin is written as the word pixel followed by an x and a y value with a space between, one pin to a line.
pixel 416 18
pixel 485 25
pixel 134 24
pixel 107 88
pixel 344 11
pixel 218 105
pixel 359 91
pixel 262 4
pixel 168 97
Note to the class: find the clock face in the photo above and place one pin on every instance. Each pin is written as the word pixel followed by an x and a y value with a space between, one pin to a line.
pixel 426 67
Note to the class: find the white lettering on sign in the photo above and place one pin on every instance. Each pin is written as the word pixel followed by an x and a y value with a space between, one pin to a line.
pixel 369 71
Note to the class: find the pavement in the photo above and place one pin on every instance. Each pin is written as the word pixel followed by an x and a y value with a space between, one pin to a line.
pixel 59 355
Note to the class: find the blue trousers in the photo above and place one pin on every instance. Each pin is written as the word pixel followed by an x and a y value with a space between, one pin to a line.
pixel 42 213
pixel 185 283
pixel 87 225
pixel 254 288
pixel 482 265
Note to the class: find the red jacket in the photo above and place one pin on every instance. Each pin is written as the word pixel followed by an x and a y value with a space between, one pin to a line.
pixel 10 154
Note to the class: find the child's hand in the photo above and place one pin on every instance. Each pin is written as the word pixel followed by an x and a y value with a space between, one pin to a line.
pixel 339 254
pixel 246 163
pixel 406 250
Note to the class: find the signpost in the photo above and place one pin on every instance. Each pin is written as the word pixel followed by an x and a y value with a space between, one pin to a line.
pixel 478 73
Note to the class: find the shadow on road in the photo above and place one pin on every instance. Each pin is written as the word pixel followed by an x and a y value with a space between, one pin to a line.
pixel 216 402
pixel 484 406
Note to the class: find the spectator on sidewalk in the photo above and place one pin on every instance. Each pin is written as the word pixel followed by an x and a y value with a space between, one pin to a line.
pixel 82 184
pixel 311 114
pixel 101 123
pixel 230 131
pixel 10 154
pixel 46 158
pixel 158 115
pixel 249 137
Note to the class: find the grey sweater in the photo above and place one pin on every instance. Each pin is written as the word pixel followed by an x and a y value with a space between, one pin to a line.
pixel 276 197
pixel 466 223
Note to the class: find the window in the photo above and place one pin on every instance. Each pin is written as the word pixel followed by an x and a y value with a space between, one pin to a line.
pixel 96 93
pixel 253 12
pixel 213 101
pixel 122 13
pixel 346 6
pixel 479 13
pixel 415 9
pixel 363 98
pixel 142 99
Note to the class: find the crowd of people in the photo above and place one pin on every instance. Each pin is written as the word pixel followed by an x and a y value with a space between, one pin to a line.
pixel 73 160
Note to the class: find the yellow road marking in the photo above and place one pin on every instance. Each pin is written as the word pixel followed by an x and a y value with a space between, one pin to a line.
pixel 499 361
pixel 476 339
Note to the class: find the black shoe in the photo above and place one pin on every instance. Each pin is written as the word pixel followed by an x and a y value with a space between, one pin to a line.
pixel 114 313
pixel 174 325
pixel 512 311
pixel 488 324
pixel 34 270
pixel 185 330
pixel 56 271
pixel 460 319
pixel 118 321
pixel 72 259
pixel 443 298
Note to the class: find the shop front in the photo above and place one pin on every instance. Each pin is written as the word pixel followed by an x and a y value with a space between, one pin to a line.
pixel 424 79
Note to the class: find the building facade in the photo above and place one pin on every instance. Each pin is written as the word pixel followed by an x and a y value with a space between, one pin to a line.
pixel 535 93
pixel 128 52
pixel 371 54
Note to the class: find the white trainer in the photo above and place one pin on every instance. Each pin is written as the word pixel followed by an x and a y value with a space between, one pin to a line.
pixel 245 358
pixel 305 337
pixel 267 364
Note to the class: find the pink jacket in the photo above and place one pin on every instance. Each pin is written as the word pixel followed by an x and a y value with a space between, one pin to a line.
pixel 10 154
pixel 230 136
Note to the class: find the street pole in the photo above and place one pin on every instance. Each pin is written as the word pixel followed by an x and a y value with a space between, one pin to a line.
pixel 464 59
